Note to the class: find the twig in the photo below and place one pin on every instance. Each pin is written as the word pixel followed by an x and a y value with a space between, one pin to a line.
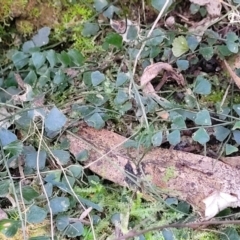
pixel 134 233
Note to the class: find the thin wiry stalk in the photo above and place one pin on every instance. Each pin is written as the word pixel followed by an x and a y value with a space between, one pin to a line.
pixel 73 193
pixel 137 58
pixel 40 178
pixel 14 191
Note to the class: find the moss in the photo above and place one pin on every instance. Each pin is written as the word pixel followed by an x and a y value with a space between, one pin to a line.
pixel 71 26
pixel 170 173
pixel 24 27
pixel 214 97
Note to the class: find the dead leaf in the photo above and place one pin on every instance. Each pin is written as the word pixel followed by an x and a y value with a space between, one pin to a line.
pixel 5 118
pixel 152 71
pixel 230 70
pixel 189 177
pixel 163 114
pixel 3 215
pixel 213 7
pixel 232 161
pixel 85 213
pixel 217 202
pixel 123 27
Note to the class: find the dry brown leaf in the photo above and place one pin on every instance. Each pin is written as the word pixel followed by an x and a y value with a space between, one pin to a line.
pixel 232 161
pixel 189 177
pixel 213 6
pixel 217 202
pixel 152 71
pixel 233 75
pixel 163 114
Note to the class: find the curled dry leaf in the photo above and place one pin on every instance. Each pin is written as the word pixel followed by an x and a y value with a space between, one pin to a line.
pixel 123 27
pixel 230 67
pixel 213 6
pixel 207 184
pixel 232 161
pixel 217 202
pixel 152 71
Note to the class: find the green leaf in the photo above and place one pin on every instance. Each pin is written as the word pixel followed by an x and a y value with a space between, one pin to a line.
pixel 4 186
pixel 114 39
pixel 202 86
pixel 31 78
pixel 192 42
pixel 157 139
pixel 52 58
pixel 178 122
pixel 194 8
pixel 158 4
pixel 221 133
pixel 156 38
pixel 20 59
pixel 232 42
pixel 75 229
pixel 82 156
pixel 99 5
pixel 62 156
pixel 190 100
pixel 236 125
pixel 90 204
pixel 59 77
pixel 97 78
pixel 53 176
pixel 29 193
pixel 31 159
pixel 174 137
pixel 154 51
pixel 9 227
pixel 95 120
pixel 236 136
pixel 207 52
pixel 121 97
pixel 36 214
pixel 182 64
pixel 90 29
pixel 14 148
pixel 230 233
pixel 201 136
pixel 62 221
pixel 76 170
pixel 236 108
pixel 38 59
pixel 41 38
pixel 121 78
pixel 168 234
pixel 229 149
pixel 203 118
pixel 110 11
pixel 6 137
pixel 59 204
pixel 49 189
pixel 180 46
pixel 224 51
pixel 40 238
pixel 132 33
pixel 55 120
pixel 65 59
pixel 76 57
pixel 27 46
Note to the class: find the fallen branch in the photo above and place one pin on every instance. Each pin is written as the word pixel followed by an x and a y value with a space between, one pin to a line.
pixel 207 184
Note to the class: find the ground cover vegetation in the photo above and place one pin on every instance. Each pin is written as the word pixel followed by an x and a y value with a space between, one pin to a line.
pixel 161 73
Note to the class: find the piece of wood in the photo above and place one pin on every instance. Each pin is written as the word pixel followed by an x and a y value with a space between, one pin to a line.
pixel 186 176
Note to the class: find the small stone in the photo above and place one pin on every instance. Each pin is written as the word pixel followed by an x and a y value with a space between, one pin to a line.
pixel 170 21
